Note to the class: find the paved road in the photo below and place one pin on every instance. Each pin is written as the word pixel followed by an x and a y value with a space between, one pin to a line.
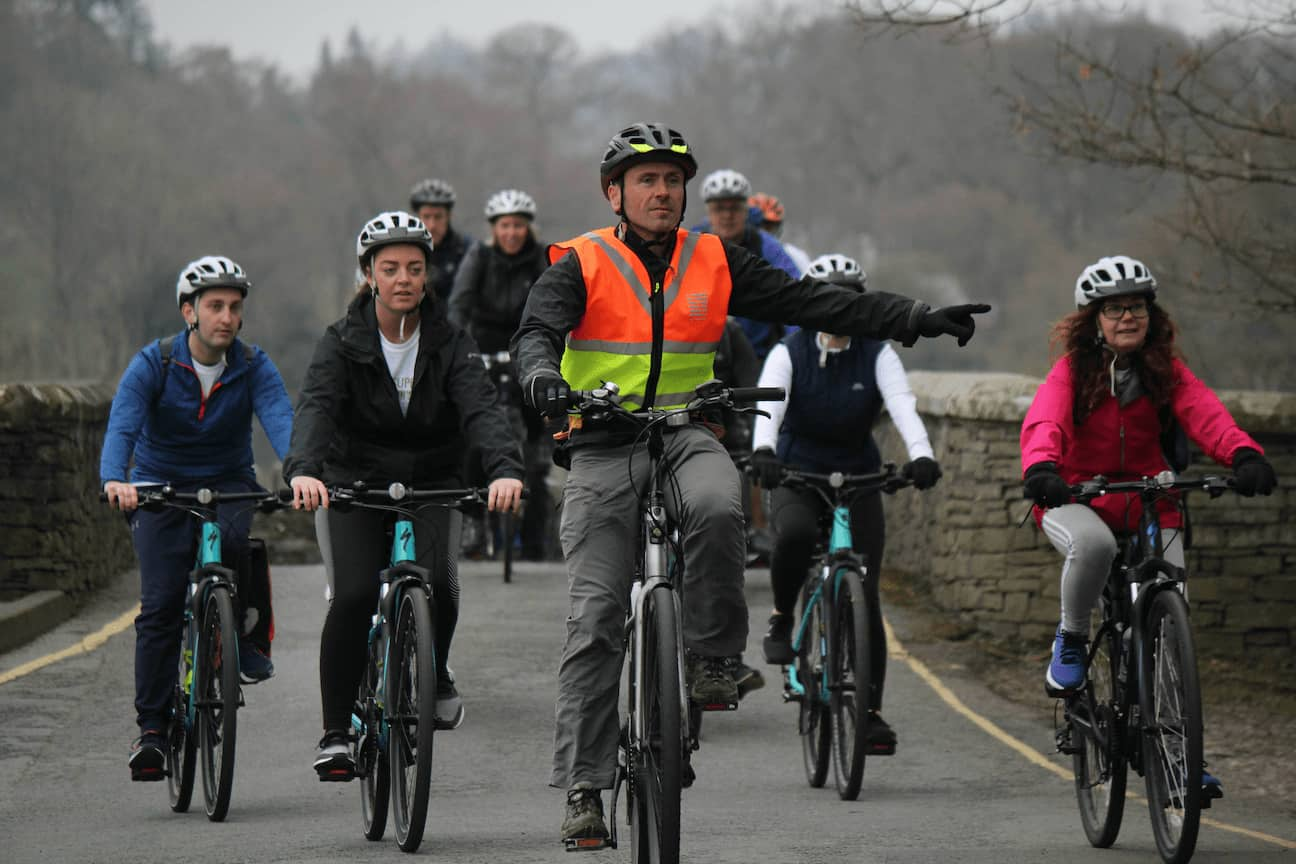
pixel 952 794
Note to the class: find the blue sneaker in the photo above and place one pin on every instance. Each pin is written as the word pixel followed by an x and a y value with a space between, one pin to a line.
pixel 1212 789
pixel 254 664
pixel 1066 671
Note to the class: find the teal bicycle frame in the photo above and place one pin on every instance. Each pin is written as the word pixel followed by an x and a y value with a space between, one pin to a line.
pixel 839 544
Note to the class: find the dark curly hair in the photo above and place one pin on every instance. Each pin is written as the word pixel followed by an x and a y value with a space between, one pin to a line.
pixel 1077 337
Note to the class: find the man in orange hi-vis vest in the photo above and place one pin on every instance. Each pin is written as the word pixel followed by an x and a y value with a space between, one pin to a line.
pixel 643 304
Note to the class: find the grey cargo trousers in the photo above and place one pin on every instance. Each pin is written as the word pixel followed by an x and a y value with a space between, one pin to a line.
pixel 600 533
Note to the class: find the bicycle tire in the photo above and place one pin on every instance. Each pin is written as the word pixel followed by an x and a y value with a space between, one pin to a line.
pixel 182 746
pixel 411 707
pixel 506 538
pixel 814 722
pixel 370 756
pixel 655 827
pixel 1098 733
pixel 1172 744
pixel 850 682
pixel 217 683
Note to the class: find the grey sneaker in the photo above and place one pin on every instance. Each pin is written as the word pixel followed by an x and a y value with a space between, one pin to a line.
pixel 449 707
pixel 747 678
pixel 333 761
pixel 583 823
pixel 711 680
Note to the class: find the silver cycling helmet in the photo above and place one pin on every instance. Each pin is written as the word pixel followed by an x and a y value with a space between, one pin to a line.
pixel 210 271
pixel 388 229
pixel 1116 276
pixel 725 183
pixel 432 191
pixel 510 202
pixel 839 270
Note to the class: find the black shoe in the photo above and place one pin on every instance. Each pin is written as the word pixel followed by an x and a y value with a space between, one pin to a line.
pixel 711 682
pixel 778 640
pixel 254 664
pixel 449 707
pixel 334 762
pixel 148 756
pixel 881 738
pixel 583 826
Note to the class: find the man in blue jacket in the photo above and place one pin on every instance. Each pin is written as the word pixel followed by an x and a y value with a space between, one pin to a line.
pixel 184 410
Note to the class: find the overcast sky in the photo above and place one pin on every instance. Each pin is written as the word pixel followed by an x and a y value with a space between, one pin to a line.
pixel 288 33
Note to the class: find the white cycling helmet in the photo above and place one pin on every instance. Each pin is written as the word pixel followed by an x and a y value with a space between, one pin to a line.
pixel 432 191
pixel 1116 276
pixel 510 202
pixel 839 270
pixel 210 271
pixel 390 228
pixel 725 183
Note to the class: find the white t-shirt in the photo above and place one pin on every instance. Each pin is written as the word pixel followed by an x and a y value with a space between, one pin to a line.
pixel 400 362
pixel 209 375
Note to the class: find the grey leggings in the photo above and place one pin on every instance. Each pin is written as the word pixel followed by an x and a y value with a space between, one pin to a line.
pixel 1088 548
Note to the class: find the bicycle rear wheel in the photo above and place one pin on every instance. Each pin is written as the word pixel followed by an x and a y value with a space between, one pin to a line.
pixel 182 746
pixel 1098 735
pixel 216 677
pixel 1172 744
pixel 849 682
pixel 371 758
pixel 411 708
pixel 655 825
pixel 814 722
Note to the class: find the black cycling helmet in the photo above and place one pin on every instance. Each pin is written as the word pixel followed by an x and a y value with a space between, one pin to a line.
pixel 645 142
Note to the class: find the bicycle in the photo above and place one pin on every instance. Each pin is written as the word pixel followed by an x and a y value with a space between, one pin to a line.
pixel 655 743
pixel 499 367
pixel 393 719
pixel 1140 705
pixel 830 677
pixel 207 696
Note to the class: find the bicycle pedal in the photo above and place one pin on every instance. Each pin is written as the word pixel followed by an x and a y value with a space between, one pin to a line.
pixel 1062 738
pixel 337 775
pixel 793 696
pixel 588 844
pixel 880 750
pixel 148 775
pixel 719 706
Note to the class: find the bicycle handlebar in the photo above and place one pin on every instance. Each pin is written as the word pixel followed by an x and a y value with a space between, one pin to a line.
pixel 156 497
pixel 1166 481
pixel 887 480
pixel 362 494
pixel 710 394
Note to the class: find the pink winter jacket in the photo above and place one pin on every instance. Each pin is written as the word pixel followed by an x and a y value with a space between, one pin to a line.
pixel 1123 443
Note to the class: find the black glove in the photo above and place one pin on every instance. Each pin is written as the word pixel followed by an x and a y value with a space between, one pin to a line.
pixel 954 320
pixel 549 394
pixel 1045 486
pixel 1252 473
pixel 924 471
pixel 766 467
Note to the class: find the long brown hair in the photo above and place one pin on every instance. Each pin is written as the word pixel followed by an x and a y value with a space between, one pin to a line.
pixel 1079 338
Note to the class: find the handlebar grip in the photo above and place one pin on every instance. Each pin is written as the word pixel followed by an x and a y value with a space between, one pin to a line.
pixel 758 394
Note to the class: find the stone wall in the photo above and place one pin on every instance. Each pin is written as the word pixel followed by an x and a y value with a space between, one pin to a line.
pixel 54 532
pixel 964 544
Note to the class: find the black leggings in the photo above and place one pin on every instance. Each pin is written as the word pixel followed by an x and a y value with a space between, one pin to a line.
pixel 794 519
pixel 361 547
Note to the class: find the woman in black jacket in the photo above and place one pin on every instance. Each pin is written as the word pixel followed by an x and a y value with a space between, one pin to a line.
pixel 393 393
pixel 490 292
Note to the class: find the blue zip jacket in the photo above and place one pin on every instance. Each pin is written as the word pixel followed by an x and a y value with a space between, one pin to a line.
pixel 177 435
pixel 762 334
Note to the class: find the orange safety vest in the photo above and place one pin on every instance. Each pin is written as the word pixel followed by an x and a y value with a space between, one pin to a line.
pixel 614 339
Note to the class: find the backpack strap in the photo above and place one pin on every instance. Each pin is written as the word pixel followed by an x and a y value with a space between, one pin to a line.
pixel 167 347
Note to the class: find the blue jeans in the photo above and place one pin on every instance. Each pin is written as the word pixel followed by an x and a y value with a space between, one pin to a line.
pixel 165 543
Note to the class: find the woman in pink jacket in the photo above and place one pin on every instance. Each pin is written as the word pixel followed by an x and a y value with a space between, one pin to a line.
pixel 1100 412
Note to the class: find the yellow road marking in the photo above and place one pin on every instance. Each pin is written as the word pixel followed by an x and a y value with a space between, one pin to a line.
pixel 897 651
pixel 84 646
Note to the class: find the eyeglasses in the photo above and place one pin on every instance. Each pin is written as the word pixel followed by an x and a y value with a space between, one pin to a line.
pixel 1116 311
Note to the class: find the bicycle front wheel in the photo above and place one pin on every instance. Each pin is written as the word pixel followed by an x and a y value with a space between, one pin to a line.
pixel 850 682
pixel 1098 736
pixel 411 709
pixel 371 758
pixel 659 758
pixel 216 679
pixel 1172 742
pixel 814 722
